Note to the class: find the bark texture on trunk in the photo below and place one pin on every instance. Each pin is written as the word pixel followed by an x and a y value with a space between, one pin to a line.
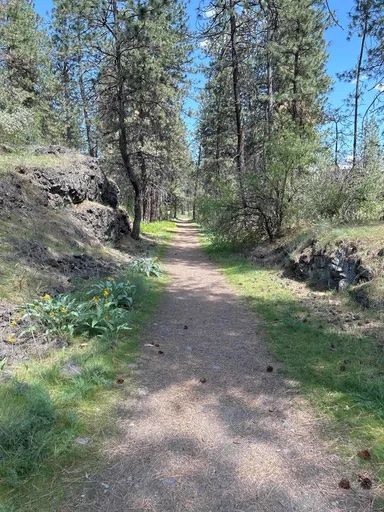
pixel 240 157
pixel 357 92
pixel 123 136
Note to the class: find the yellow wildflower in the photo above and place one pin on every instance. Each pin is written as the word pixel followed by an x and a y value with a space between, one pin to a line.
pixel 106 292
pixel 14 323
pixel 63 309
pixel 95 298
pixel 11 339
pixel 46 297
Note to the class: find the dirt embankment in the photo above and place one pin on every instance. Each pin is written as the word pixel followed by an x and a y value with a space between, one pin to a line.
pixel 59 224
pixel 341 263
pixel 323 276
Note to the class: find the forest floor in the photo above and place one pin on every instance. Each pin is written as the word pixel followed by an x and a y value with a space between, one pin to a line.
pixel 215 423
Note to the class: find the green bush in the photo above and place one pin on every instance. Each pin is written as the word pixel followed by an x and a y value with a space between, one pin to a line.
pixel 98 311
pixel 147 266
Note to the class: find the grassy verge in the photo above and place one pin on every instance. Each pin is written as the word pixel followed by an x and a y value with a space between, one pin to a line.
pixel 341 373
pixel 368 233
pixel 161 233
pixel 9 162
pixel 56 412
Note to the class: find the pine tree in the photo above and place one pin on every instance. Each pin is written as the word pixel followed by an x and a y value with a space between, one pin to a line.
pixel 76 42
pixel 141 93
pixel 267 68
pixel 26 78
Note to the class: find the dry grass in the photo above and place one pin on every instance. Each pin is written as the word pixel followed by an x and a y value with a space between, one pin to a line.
pixel 329 345
pixel 47 409
pixel 28 158
pixel 27 244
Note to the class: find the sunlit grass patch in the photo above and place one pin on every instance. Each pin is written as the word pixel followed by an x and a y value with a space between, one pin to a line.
pixel 19 158
pixel 372 232
pixel 162 230
pixel 70 394
pixel 341 372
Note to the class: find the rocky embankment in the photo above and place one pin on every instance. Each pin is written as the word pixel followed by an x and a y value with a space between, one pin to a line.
pixel 329 267
pixel 59 224
pixel 79 185
pixel 337 265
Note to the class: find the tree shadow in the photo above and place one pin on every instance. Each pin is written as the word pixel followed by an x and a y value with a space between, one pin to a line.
pixel 210 429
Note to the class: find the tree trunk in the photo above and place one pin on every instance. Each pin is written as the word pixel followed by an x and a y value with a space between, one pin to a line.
pixel 272 17
pixel 152 214
pixel 270 96
pixel 218 139
pixel 137 217
pixel 67 102
pixel 145 205
pixel 295 112
pixel 195 185
pixel 336 143
pixel 122 128
pixel 357 91
pixel 92 145
pixel 175 207
pixel 240 157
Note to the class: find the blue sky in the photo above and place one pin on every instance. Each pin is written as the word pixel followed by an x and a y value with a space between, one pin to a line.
pixel 342 53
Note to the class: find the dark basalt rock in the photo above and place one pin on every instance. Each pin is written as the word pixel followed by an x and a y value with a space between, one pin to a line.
pixel 326 268
pixel 72 184
pixel 75 183
pixel 103 222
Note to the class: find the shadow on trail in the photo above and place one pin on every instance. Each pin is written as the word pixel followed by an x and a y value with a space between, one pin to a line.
pixel 240 441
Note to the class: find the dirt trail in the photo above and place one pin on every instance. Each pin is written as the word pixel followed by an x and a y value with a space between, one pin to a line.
pixel 242 441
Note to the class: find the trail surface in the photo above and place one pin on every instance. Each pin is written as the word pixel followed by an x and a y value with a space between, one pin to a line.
pixel 241 441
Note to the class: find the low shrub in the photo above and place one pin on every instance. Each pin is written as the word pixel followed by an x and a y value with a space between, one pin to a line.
pixel 147 266
pixel 98 311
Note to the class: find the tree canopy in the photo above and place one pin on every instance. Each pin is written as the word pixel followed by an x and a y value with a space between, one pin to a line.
pixel 111 78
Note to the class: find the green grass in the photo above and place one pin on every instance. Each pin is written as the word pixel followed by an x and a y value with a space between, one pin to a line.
pixel 370 234
pixel 10 161
pixel 160 232
pixel 163 229
pixel 45 407
pixel 342 374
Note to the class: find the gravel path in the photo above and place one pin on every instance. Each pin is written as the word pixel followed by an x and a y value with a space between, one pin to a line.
pixel 210 429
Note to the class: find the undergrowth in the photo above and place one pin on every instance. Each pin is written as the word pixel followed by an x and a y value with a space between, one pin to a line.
pixel 10 161
pixel 57 411
pixel 146 266
pixel 101 310
pixel 341 373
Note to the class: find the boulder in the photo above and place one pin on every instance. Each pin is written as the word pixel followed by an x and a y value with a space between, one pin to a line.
pixel 72 184
pixel 104 223
pixel 330 268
